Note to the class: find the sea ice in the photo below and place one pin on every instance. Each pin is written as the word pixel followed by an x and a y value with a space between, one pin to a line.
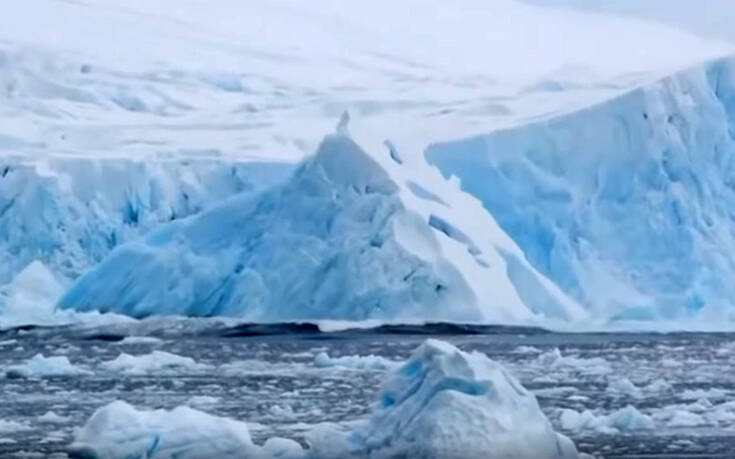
pixel 52 418
pixel 625 419
pixel 42 367
pixel 154 362
pixel 441 403
pixel 358 362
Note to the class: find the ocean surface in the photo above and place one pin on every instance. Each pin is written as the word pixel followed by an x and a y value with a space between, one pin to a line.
pixel 266 375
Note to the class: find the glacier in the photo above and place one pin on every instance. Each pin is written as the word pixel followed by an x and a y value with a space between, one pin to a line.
pixel 347 236
pixel 628 205
pixel 196 107
pixel 68 213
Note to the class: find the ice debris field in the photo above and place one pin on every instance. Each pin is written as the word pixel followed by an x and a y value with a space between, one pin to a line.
pixel 164 386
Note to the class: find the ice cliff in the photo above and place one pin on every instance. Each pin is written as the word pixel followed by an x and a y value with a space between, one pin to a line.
pixel 68 213
pixel 347 236
pixel 628 205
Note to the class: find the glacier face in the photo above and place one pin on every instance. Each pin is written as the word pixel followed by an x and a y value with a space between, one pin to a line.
pixel 628 205
pixel 97 149
pixel 68 213
pixel 341 238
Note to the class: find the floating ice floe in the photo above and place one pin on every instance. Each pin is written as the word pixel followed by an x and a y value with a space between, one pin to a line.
pixel 138 340
pixel 41 367
pixel 626 419
pixel 683 418
pixel 52 418
pixel 202 401
pixel 7 427
pixel 623 386
pixel 151 363
pixel 119 431
pixel 358 362
pixel 554 359
pixel 658 386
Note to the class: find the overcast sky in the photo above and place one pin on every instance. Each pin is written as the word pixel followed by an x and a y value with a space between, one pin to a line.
pixel 709 18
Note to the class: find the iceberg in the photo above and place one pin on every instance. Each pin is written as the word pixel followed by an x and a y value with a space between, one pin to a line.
pixel 119 431
pixel 348 236
pixel 626 204
pixel 445 403
pixel 30 297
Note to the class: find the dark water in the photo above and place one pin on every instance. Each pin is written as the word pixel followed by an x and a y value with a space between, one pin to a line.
pixel 265 376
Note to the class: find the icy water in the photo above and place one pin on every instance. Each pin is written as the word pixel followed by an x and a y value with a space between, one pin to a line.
pixel 266 376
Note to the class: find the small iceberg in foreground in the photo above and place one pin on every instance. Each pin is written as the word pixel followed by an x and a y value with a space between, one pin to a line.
pixel 445 403
pixel 441 403
pixel 119 431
